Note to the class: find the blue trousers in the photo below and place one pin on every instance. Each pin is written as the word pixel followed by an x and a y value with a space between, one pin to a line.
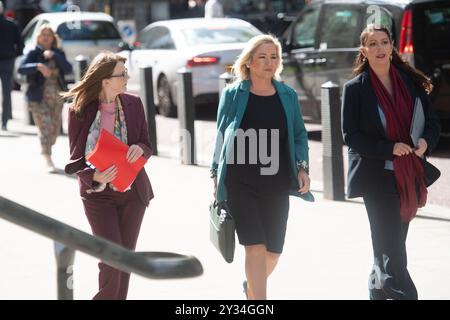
pixel 6 77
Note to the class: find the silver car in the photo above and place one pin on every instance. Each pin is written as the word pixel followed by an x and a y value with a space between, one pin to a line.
pixel 85 33
pixel 206 46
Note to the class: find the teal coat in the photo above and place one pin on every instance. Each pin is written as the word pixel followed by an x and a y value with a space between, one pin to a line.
pixel 232 106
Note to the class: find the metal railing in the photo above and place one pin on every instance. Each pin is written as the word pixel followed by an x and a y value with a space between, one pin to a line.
pixel 154 265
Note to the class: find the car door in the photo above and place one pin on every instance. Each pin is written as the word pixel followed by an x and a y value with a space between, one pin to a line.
pixel 340 27
pixel 156 46
pixel 29 31
pixel 140 57
pixel 89 37
pixel 299 60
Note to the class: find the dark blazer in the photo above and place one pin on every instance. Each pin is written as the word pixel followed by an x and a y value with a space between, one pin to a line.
pixel 36 80
pixel 12 43
pixel 137 134
pixel 364 134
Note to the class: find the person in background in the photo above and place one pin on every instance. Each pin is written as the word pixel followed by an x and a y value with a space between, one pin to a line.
pixel 11 47
pixel 59 5
pixel 213 9
pixel 100 102
pixel 384 166
pixel 257 191
pixel 45 67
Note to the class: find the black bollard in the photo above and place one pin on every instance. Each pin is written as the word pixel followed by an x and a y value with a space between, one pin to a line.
pixel 224 79
pixel 186 115
pixel 333 167
pixel 146 88
pixel 81 64
pixel 64 263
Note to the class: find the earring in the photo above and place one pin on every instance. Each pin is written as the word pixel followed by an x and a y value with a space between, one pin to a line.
pixel 390 58
pixel 364 59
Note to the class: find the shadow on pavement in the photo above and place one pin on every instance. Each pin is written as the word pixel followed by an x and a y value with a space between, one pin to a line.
pixel 16 133
pixel 8 134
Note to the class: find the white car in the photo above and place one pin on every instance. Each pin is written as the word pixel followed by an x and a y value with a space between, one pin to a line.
pixel 206 46
pixel 85 33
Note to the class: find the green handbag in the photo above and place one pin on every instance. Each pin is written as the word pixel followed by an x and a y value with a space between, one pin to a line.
pixel 222 229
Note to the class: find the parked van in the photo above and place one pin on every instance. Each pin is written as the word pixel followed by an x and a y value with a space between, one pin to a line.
pixel 322 43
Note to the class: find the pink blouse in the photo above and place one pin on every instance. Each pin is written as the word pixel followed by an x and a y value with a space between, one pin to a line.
pixel 107 116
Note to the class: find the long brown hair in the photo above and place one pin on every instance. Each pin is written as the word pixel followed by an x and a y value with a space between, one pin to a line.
pixel 361 63
pixel 89 87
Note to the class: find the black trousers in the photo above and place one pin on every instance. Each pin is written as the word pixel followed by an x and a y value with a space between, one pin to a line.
pixel 389 278
pixel 6 78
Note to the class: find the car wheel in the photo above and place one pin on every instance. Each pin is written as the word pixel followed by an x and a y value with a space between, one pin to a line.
pixel 166 106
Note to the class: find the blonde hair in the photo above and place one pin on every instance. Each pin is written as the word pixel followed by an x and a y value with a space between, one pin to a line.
pixel 46 26
pixel 240 69
pixel 89 87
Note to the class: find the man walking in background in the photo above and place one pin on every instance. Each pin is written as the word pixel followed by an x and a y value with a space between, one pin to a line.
pixel 213 9
pixel 11 45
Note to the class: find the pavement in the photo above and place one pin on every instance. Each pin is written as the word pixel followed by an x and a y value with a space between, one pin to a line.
pixel 327 254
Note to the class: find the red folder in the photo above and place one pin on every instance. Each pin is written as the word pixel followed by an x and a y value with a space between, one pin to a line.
pixel 111 151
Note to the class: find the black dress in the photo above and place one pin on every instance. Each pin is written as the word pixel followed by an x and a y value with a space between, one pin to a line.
pixel 257 177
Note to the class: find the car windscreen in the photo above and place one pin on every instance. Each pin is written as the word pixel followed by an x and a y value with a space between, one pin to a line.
pixel 88 30
pixel 214 35
pixel 434 26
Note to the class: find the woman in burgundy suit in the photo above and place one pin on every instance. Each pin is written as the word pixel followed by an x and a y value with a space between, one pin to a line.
pixel 99 102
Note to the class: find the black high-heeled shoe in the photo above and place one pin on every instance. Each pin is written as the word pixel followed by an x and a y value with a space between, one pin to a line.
pixel 386 293
pixel 377 294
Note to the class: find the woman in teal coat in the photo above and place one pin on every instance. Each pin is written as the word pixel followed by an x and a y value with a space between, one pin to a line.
pixel 260 158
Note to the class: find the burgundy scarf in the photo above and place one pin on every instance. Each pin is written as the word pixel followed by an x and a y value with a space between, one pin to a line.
pixel 408 169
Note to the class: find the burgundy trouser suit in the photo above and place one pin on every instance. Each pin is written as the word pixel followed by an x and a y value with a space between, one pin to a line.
pixel 117 217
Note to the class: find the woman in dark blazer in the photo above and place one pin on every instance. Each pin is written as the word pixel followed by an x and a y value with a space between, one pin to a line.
pixel 384 165
pixel 257 191
pixel 45 67
pixel 100 103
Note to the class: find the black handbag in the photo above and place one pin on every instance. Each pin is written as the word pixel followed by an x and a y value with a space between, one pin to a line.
pixel 431 173
pixel 222 229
